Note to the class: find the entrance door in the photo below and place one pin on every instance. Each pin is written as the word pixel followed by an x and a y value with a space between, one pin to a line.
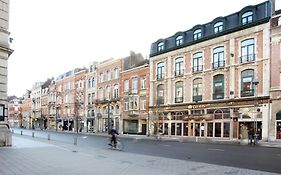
pixel 143 129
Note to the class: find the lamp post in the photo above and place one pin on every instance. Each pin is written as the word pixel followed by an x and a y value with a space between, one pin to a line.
pixel 255 82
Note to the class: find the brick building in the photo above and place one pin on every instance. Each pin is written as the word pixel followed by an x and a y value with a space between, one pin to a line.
pixel 209 81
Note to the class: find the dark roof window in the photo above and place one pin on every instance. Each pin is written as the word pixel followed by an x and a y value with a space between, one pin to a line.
pixel 247 17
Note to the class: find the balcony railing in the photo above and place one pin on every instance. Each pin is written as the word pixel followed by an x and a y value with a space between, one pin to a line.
pixel 179 73
pixel 197 68
pixel 160 101
pixel 178 99
pixel 247 93
pixel 197 98
pixel 247 58
pixel 160 76
pixel 218 64
pixel 218 96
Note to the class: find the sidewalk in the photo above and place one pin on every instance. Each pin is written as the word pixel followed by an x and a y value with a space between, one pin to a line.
pixel 40 156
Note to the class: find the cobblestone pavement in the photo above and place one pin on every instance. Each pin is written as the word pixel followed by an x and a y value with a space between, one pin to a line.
pixel 32 156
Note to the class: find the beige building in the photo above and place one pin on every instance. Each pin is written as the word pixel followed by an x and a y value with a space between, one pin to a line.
pixel 209 81
pixel 5 52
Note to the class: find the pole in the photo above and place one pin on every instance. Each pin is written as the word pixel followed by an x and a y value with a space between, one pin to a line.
pixel 56 118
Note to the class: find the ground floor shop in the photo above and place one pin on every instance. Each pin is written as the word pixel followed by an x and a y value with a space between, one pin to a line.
pixel 103 123
pixel 214 120
pixel 135 126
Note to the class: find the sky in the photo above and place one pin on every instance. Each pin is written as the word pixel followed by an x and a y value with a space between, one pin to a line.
pixel 51 37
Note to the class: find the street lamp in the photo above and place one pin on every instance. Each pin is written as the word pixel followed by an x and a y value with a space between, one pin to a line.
pixel 255 83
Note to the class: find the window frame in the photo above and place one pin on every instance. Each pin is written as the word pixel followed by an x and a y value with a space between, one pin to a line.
pixel 179 40
pixel 251 91
pixel 197 89
pixel 198 58
pixel 219 78
pixel 218 53
pixel 160 46
pixel 179 87
pixel 160 71
pixel 197 34
pixel 218 27
pixel 247 17
pixel 248 46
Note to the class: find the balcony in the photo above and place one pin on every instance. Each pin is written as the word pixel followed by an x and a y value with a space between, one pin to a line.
pixel 217 96
pixel 178 99
pixel 247 93
pixel 179 73
pixel 160 76
pixel 197 68
pixel 197 98
pixel 159 101
pixel 218 64
pixel 247 58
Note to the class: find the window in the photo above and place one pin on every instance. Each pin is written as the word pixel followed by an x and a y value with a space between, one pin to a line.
pixel 116 73
pixel 89 98
pixel 117 109
pixel 143 82
pixel 100 93
pixel 197 89
pixel 143 104
pixel 247 50
pixel 116 93
pixel 198 62
pixel 126 86
pixel 108 75
pixel 101 77
pixel 160 94
pixel 160 71
pixel 226 129
pixel 108 92
pixel 89 83
pixel 179 92
pixel 2 113
pixel 179 40
pixel 218 27
pixel 218 57
pixel 160 46
pixel 179 67
pixel 247 77
pixel 134 85
pixel 126 105
pixel 210 130
pixel 247 17
pixel 93 82
pixel 217 129
pixel 278 125
pixel 197 34
pixel 218 87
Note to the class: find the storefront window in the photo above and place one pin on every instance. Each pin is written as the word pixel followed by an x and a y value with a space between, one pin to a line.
pixel 173 128
pixel 185 129
pixel 202 129
pixel 197 129
pixel 179 129
pixel 226 128
pixel 210 130
pixel 166 129
pixel 278 125
pixel 217 129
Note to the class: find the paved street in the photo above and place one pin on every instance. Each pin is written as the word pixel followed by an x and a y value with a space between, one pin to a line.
pixel 40 156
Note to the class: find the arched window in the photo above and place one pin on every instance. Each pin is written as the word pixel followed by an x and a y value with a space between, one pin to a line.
pixel 116 91
pixel 160 46
pixel 197 34
pixel 100 95
pixel 247 50
pixel 179 67
pixel 247 17
pixel 247 77
pixel 197 62
pixel 218 87
pixel 278 125
pixel 116 73
pixel 160 71
pixel 179 40
pixel 179 92
pixel 160 94
pixel 218 57
pixel 218 27
pixel 197 89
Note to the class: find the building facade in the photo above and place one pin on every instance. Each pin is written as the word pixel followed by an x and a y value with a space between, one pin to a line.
pixel 26 110
pixel 107 102
pixel 209 81
pixel 135 100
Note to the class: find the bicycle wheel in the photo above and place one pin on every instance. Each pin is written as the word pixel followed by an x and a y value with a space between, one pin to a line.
pixel 119 145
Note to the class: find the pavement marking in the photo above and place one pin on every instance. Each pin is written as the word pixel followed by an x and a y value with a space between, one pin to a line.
pixel 166 145
pixel 213 149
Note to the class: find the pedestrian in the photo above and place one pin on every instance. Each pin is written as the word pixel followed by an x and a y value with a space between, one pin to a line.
pixel 250 135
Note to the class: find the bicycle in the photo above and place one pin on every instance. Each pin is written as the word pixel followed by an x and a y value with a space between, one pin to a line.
pixel 118 146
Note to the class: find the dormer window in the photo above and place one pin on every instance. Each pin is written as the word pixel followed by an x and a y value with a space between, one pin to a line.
pixel 218 27
pixel 160 46
pixel 247 17
pixel 179 40
pixel 197 34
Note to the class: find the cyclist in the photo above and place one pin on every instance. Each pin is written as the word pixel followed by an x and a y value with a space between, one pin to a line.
pixel 113 134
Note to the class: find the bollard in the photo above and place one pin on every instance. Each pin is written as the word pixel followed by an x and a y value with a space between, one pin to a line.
pixel 32 134
pixel 20 132
pixel 75 141
pixel 49 137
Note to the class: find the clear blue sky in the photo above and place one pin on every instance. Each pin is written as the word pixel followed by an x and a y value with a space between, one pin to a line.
pixel 54 36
